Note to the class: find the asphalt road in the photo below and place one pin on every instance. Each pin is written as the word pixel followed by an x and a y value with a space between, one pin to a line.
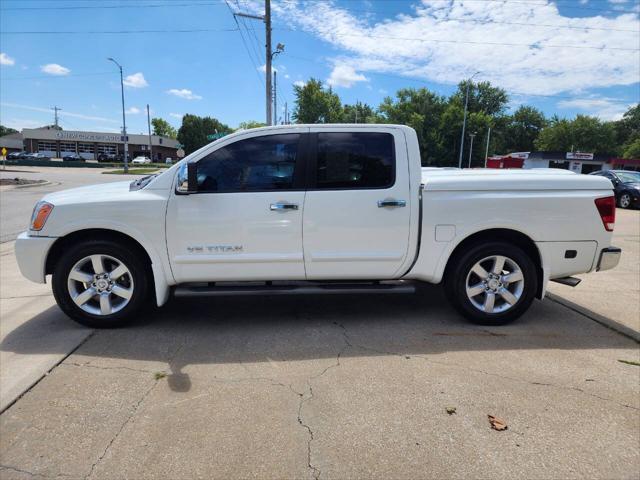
pixel 317 387
pixel 17 204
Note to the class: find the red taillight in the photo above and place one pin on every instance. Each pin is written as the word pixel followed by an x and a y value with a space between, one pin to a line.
pixel 607 209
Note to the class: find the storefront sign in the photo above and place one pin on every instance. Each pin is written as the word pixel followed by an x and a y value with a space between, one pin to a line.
pixel 89 137
pixel 579 156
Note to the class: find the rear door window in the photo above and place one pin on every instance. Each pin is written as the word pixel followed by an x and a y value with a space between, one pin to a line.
pixel 355 160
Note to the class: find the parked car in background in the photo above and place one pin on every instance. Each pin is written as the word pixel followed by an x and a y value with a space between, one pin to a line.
pixel 16 155
pixel 104 157
pixel 73 158
pixel 229 220
pixel 626 186
pixel 36 156
pixel 140 160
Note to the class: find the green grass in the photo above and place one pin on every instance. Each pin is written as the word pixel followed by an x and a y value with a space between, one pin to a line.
pixel 630 362
pixel 132 171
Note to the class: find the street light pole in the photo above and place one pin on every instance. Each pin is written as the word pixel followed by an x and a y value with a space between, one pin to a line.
pixel 464 119
pixel 472 135
pixel 486 152
pixel 124 121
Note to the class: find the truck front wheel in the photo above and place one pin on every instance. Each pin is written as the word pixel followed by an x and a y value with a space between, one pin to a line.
pixel 492 284
pixel 100 283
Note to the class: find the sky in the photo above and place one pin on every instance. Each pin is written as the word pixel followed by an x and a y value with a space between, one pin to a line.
pixel 565 57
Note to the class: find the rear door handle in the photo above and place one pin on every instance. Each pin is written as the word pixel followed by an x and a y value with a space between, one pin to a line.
pixel 391 203
pixel 283 206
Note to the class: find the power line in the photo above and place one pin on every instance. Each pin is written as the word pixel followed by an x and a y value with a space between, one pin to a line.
pixel 573 6
pixel 31 77
pixel 92 7
pixel 467 42
pixel 246 47
pixel 118 32
pixel 495 22
pixel 424 82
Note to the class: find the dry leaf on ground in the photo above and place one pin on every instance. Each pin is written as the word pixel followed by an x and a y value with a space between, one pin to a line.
pixel 497 423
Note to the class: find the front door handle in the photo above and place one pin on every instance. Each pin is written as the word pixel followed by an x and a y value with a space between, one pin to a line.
pixel 391 203
pixel 283 206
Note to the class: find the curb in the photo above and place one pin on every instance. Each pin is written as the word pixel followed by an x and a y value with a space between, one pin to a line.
pixel 596 317
pixel 34 184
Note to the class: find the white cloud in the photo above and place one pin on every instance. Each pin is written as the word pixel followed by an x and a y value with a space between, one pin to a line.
pixel 446 41
pixel 55 69
pixel 133 110
pixel 6 60
pixel 299 83
pixel 345 76
pixel 604 108
pixel 184 93
pixel 136 80
pixel 177 115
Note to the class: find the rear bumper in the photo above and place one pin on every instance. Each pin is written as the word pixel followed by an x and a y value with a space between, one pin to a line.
pixel 609 258
pixel 31 253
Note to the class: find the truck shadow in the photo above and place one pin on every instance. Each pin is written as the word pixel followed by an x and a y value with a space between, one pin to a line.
pixel 249 330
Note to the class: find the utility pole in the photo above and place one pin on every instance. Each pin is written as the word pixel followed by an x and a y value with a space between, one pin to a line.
pixel 55 113
pixel 149 126
pixel 275 98
pixel 269 55
pixel 486 152
pixel 464 119
pixel 356 111
pixel 472 135
pixel 286 114
pixel 124 121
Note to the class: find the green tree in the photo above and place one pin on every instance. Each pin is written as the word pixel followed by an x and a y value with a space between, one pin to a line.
pixel 628 132
pixel 583 134
pixel 523 128
pixel 163 128
pixel 632 149
pixel 6 131
pixel 251 124
pixel 422 110
pixel 314 104
pixel 483 97
pixel 194 130
pixel 359 113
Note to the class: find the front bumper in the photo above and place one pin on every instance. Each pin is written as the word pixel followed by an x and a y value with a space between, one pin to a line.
pixel 609 258
pixel 31 253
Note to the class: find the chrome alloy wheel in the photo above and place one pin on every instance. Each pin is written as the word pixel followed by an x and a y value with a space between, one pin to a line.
pixel 495 284
pixel 100 284
pixel 625 200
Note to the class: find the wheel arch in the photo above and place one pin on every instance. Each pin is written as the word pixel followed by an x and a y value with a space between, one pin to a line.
pixel 159 284
pixel 508 235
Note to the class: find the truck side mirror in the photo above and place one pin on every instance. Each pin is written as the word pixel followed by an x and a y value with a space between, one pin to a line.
pixel 188 178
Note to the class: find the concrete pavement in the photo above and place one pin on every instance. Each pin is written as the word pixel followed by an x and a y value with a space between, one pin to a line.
pixel 316 387
pixel 354 387
pixel 612 296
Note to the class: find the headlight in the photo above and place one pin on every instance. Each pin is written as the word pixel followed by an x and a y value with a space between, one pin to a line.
pixel 41 212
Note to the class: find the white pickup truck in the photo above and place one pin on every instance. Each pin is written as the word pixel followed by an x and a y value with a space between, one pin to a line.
pixel 318 209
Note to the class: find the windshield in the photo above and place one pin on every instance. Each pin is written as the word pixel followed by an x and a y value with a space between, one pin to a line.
pixel 629 177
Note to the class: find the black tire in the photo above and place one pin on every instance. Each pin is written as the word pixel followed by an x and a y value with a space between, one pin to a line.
pixel 456 283
pixel 625 200
pixel 130 257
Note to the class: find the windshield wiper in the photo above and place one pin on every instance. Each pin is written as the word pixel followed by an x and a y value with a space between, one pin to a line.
pixel 141 182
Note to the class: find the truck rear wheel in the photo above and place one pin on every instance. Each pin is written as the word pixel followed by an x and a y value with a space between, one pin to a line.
pixel 492 284
pixel 100 283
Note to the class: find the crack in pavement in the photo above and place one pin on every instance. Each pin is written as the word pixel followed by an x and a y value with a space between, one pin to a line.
pixel 124 424
pixel 89 365
pixel 476 370
pixel 18 470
